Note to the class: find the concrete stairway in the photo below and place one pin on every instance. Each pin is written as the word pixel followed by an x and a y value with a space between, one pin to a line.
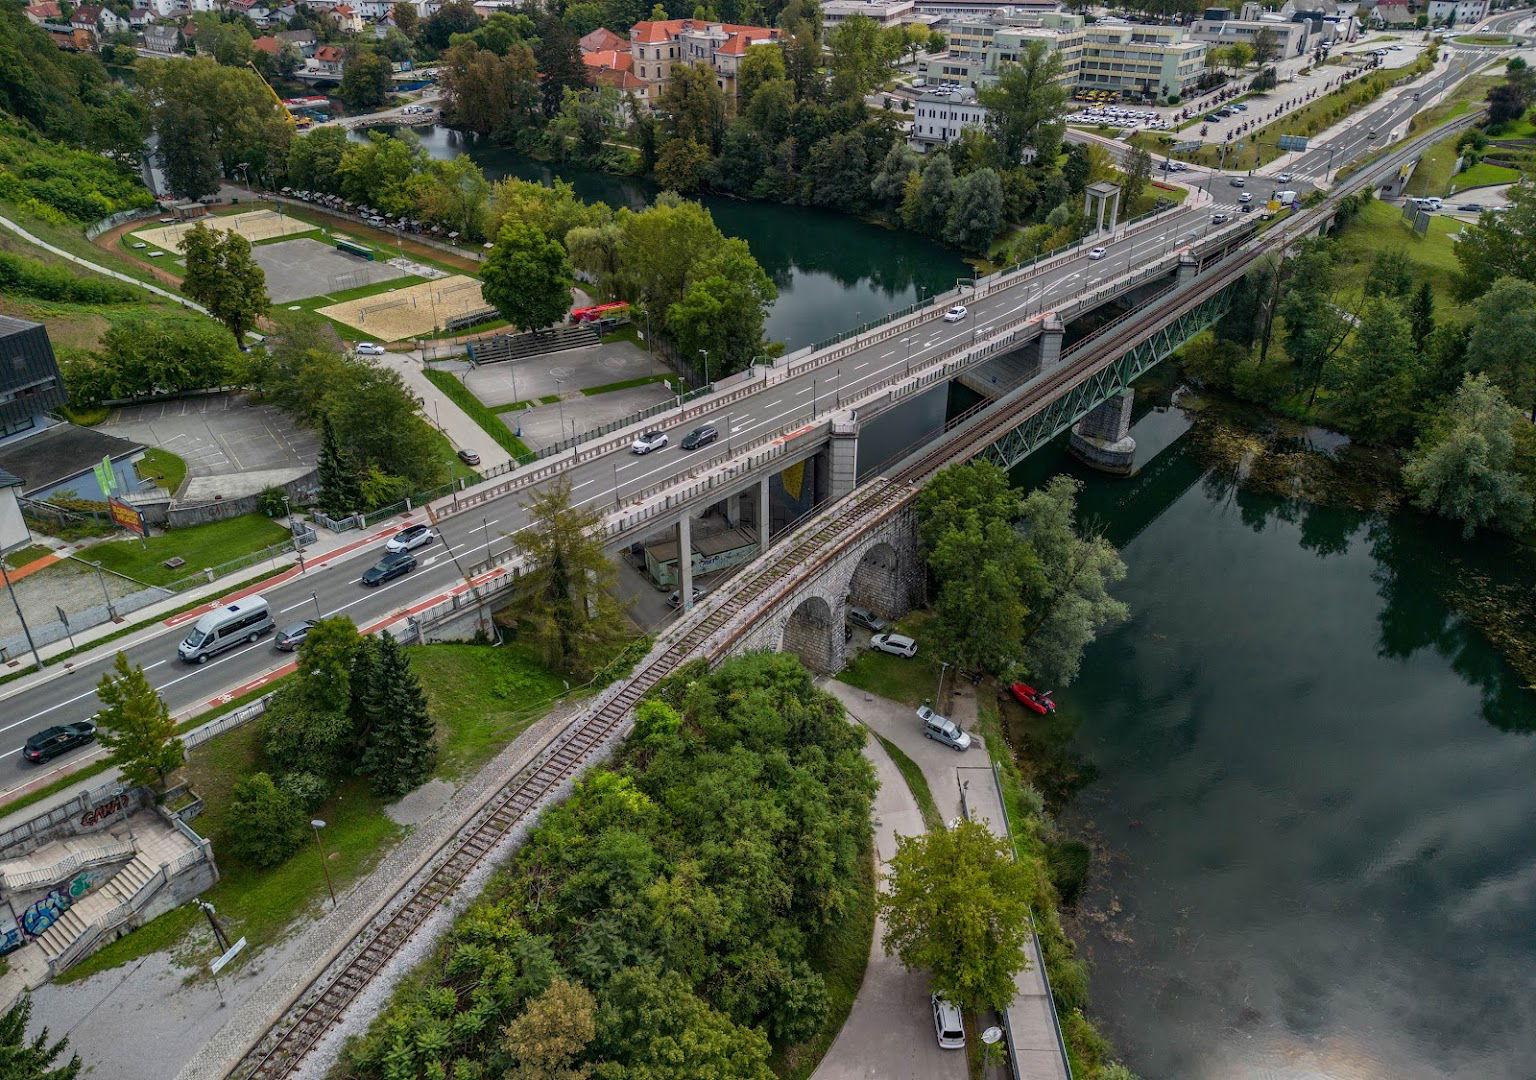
pixel 56 861
pixel 93 909
pixel 505 347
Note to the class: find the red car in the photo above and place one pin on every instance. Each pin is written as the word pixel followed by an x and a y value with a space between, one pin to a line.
pixel 1031 698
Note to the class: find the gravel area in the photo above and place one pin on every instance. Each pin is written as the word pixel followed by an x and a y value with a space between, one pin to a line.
pixel 68 584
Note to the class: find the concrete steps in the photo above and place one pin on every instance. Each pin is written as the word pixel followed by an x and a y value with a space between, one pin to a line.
pixel 505 347
pixel 55 862
pixel 90 911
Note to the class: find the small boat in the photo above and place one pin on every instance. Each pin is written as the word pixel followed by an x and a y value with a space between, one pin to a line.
pixel 1030 698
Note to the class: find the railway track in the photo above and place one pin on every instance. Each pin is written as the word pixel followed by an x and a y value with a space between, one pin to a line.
pixel 320 1006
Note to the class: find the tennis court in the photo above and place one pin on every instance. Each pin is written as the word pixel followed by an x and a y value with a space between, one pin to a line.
pixel 256 225
pixel 412 311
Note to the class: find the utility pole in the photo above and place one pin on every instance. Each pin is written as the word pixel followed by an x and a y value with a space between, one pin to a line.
pixel 17 605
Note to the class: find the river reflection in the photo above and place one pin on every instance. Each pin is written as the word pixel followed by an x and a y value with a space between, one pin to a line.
pixel 1314 788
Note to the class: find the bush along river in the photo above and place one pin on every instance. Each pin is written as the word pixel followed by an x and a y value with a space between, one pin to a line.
pixel 833 272
pixel 1304 766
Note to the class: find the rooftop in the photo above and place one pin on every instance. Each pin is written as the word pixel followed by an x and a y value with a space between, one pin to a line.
pixel 61 453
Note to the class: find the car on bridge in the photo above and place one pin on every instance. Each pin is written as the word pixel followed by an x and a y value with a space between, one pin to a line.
pixel 1218 219
pixel 1097 253
pixel 648 441
pixel 51 742
pixel 700 436
pixel 956 313
pixel 409 539
pixel 392 565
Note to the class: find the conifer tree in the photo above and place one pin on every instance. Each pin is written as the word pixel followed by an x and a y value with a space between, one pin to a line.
pixel 400 752
pixel 340 492
pixel 135 726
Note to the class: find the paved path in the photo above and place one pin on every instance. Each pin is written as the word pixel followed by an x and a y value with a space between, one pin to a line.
pixel 78 261
pixel 441 412
pixel 888 1034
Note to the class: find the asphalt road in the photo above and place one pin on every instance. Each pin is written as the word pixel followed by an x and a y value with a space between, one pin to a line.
pixel 334 589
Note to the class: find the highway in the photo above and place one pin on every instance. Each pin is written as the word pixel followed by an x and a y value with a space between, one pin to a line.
pixel 604 482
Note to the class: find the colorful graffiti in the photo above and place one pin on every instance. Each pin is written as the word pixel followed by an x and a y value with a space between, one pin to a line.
pixel 43 914
pixel 101 811
pixel 10 938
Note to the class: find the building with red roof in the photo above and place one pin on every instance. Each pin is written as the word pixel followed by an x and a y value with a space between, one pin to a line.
pixel 603 40
pixel 655 46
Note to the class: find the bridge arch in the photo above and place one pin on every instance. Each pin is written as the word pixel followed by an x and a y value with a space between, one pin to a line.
pixel 879 583
pixel 814 635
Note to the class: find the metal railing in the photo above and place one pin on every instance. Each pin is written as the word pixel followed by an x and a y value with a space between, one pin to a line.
pixel 67 864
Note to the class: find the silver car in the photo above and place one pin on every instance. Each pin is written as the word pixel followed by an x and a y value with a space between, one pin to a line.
pixel 648 441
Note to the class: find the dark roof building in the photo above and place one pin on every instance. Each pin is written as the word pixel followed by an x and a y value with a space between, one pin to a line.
pixel 63 457
pixel 30 386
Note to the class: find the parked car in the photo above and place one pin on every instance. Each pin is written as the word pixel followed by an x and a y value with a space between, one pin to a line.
pixel 676 599
pixel 956 313
pixel 369 348
pixel 469 457
pixel 392 565
pixel 293 636
pixel 1036 700
pixel 411 538
pixel 648 441
pixel 942 729
pixel 895 644
pixel 947 1024
pixel 867 619
pixel 51 742
pixel 700 436
pixel 1097 253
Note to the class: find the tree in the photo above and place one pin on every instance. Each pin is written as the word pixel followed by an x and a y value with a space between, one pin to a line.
pixel 1138 171
pixel 979 563
pixel 1027 103
pixel 1068 599
pixel 682 166
pixel 1421 315
pixel 400 753
pixel 1390 275
pixel 135 726
pixel 958 908
pixel 759 66
pixel 1471 465
pixel 366 81
pixel 859 57
pixel 559 58
pixel 314 160
pixel 186 151
pixel 406 17
pixel 976 214
pixel 1499 245
pixel 889 182
pixel 551 1033
pixel 652 1023
pixel 1380 387
pixel 339 493
pixel 224 278
pixel 308 725
pixel 568 609
pixel 267 823
pixel 527 278
pixel 693 105
pixel 454 17
pixel 926 208
pixel 723 310
pixel 35 1060
pixel 244 122
pixel 1503 330
pixel 1314 310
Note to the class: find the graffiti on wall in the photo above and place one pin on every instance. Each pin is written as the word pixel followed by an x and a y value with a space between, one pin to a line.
pixel 10 938
pixel 45 912
pixel 104 810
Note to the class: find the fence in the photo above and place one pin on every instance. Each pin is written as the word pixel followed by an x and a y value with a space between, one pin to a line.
pixel 38 830
pixel 109 223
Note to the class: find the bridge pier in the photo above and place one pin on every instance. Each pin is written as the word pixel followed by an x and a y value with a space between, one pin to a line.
pixel 685 560
pixel 1103 440
pixel 1189 266
pixel 764 515
pixel 843 455
pixel 1052 332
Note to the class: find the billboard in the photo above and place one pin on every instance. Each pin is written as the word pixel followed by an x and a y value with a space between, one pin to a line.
pixel 127 517
pixel 1291 142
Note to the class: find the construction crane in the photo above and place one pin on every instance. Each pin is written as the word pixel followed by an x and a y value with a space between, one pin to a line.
pixel 275 97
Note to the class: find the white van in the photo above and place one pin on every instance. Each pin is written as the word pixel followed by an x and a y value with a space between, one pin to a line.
pixel 244 620
pixel 1285 198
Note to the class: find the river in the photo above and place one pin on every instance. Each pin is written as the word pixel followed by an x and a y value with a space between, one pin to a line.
pixel 1308 784
pixel 832 271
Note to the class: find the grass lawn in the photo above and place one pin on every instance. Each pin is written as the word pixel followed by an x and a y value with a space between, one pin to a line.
pixel 164 468
pixel 626 384
pixel 23 555
pixel 456 468
pixel 910 681
pixel 917 783
pixel 839 957
pixel 1380 227
pixel 1432 175
pixel 629 333
pixel 200 545
pixel 477 411
pixel 1484 175
pixel 1482 39
pixel 512 406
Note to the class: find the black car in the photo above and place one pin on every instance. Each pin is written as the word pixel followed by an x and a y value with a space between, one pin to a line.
pixel 700 436
pixel 51 742
pixel 293 636
pixel 390 566
pixel 469 457
pixel 1246 208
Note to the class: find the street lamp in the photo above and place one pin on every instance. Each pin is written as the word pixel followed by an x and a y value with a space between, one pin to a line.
pixel 17 605
pixel 298 549
pixel 706 365
pixel 560 399
pixel 317 825
pixel 943 667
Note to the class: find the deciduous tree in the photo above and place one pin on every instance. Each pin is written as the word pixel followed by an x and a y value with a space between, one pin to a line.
pixel 365 81
pixel 551 1033
pixel 186 150
pixel 1500 345
pixel 1473 465
pixel 976 214
pixel 526 277
pixel 1499 245
pixel 224 278
pixel 1026 105
pixel 958 908
pixel 267 824
pixel 308 725
pixel 135 726
pixel 1379 388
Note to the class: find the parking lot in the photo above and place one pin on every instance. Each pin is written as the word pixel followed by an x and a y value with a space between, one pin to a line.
pixel 231 446
pixel 561 373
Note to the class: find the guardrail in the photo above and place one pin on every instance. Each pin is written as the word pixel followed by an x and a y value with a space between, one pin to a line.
pixel 68 864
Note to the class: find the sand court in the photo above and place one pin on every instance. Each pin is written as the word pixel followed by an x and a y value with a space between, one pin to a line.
pixel 256 225
pixel 414 310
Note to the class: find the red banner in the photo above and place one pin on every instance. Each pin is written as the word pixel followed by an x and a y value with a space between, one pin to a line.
pixel 127 517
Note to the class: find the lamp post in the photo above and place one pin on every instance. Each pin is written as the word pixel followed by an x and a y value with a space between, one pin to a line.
pixel 939 693
pixel 298 549
pixel 706 365
pixel 485 524
pixel 317 825
pixel 17 605
pixel 560 400
pixel 315 597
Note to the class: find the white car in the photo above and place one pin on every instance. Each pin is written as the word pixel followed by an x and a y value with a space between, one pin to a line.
pixel 947 1024
pixel 648 441
pixel 956 313
pixel 1097 253
pixel 411 538
pixel 1245 197
pixel 1284 178
pixel 369 348
pixel 895 644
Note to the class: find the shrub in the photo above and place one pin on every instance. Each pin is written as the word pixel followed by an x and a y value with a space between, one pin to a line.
pixel 266 823
pixel 305 788
pixel 271 502
pixel 33 278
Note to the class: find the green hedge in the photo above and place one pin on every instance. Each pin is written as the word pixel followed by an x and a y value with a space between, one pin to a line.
pixel 489 422
pixel 29 277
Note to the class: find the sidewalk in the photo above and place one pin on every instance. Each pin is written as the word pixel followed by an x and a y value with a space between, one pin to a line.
pixel 442 413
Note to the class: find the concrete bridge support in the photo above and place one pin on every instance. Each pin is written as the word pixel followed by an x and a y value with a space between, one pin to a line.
pixel 1052 332
pixel 1189 266
pixel 1103 440
pixel 843 458
pixel 685 561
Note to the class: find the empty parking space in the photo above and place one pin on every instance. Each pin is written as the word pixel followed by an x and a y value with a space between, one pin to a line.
pixel 577 369
pixel 298 269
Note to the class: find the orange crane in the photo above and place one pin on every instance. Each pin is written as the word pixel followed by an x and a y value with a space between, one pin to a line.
pixel 300 124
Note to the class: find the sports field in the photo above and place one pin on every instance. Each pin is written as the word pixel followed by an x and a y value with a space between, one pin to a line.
pixel 257 225
pixel 413 311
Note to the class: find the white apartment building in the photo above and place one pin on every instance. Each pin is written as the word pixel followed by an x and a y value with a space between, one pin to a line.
pixel 887 13
pixel 938 120
pixel 1458 12
pixel 1291 38
pixel 1140 61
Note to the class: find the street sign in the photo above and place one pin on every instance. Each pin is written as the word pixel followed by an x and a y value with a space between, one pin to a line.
pixel 1291 142
pixel 234 951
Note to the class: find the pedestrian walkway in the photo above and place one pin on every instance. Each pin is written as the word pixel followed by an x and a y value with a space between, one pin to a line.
pixel 443 413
